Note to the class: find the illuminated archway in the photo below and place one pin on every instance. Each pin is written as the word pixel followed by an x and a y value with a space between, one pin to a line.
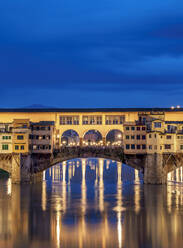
pixel 114 137
pixel 92 138
pixel 70 138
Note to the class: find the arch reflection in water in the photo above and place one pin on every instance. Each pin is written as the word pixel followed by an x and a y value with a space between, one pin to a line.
pixel 91 203
pixel 89 177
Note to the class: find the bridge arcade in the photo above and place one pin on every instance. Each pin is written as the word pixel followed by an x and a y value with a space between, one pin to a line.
pixel 147 139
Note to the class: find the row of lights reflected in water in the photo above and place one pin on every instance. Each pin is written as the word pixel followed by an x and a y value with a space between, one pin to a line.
pixel 64 178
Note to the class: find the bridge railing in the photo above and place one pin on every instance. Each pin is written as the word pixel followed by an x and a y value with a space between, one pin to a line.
pixel 78 151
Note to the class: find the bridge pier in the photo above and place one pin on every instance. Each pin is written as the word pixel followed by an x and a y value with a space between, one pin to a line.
pixel 21 168
pixel 154 172
pixel 80 142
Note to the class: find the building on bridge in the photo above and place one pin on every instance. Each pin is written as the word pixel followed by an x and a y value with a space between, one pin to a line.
pixel 20 135
pixel 42 137
pixel 23 136
pixel 134 141
pixel 143 135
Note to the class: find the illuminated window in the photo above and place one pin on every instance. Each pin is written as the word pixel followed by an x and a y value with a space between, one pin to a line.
pixel 92 120
pixel 68 120
pixel 114 119
pixel 34 147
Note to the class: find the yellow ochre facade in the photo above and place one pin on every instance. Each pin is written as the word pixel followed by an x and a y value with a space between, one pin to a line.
pixel 142 130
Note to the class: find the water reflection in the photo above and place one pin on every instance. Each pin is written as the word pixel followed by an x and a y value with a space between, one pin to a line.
pixel 176 175
pixel 91 203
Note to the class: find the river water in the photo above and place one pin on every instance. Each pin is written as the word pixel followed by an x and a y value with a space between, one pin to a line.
pixel 91 203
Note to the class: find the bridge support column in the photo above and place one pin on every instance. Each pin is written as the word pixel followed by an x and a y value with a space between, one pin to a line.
pixel 21 168
pixel 104 141
pixel 153 171
pixel 37 177
pixel 81 141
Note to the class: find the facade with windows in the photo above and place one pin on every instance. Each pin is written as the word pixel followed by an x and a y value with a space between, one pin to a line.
pixel 134 138
pixel 5 142
pixel 82 123
pixel 140 132
pixel 20 136
pixel 114 119
pixel 69 120
pixel 92 120
pixel 41 138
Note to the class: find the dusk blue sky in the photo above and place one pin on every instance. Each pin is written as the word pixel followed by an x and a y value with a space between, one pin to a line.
pixel 99 53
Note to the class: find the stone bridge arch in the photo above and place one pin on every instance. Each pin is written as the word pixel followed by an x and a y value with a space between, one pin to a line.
pixel 114 137
pixel 6 162
pixel 41 163
pixel 172 161
pixel 92 137
pixel 70 137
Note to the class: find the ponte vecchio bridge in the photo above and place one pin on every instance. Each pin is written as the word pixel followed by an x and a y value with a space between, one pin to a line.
pixel 31 140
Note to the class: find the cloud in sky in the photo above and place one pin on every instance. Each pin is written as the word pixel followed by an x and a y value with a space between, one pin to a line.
pixel 101 48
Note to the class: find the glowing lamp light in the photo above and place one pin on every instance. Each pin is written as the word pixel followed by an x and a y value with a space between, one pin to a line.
pixel 172 107
pixel 178 106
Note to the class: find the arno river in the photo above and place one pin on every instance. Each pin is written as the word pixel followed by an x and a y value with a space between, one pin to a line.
pixel 92 203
